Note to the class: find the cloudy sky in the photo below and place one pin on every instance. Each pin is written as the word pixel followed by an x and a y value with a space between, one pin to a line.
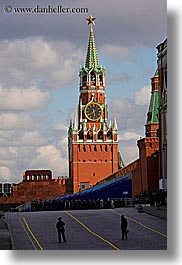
pixel 40 56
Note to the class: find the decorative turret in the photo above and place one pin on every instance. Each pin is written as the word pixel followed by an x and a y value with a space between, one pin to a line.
pixel 152 124
pixel 149 145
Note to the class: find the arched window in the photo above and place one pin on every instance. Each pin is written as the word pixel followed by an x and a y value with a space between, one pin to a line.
pixel 80 135
pixel 84 79
pixel 93 77
pixel 100 134
pixel 109 134
pixel 89 135
pixel 101 79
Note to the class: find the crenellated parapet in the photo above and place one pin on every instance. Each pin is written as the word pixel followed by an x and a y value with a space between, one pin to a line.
pixel 96 132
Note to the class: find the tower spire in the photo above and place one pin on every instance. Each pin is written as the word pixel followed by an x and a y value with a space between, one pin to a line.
pixel 92 56
pixel 152 123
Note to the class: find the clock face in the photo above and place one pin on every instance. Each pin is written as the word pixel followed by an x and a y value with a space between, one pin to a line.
pixel 93 111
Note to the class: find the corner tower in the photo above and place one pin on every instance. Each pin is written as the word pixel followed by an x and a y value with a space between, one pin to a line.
pixel 149 145
pixel 92 142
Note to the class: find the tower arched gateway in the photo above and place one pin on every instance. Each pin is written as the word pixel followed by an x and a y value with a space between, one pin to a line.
pixel 92 141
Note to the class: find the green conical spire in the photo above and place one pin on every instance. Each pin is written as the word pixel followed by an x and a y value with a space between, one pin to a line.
pixel 156 73
pixel 152 115
pixel 92 57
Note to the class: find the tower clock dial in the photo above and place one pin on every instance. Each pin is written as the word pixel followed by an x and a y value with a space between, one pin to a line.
pixel 93 111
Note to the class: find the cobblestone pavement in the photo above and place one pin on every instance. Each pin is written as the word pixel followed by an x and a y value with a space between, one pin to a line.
pixel 5 240
pixel 88 230
pixel 160 212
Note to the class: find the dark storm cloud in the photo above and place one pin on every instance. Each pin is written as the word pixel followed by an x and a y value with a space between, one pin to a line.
pixel 123 22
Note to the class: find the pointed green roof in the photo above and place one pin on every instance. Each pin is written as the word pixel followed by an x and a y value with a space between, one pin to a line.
pixel 153 112
pixel 152 115
pixel 156 73
pixel 91 57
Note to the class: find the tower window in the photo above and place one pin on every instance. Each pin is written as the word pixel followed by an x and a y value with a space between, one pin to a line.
pixel 100 135
pixel 84 185
pixel 84 78
pixel 95 148
pixel 109 134
pixel 89 134
pixel 92 76
pixel 80 135
pixel 84 148
pixel 94 174
pixel 106 149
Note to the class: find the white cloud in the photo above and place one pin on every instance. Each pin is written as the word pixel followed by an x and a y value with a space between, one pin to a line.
pixel 5 174
pixel 116 52
pixel 16 120
pixel 33 138
pixel 23 99
pixel 19 138
pixel 129 153
pixel 131 112
pixel 35 61
pixel 141 96
pixel 42 55
pixel 13 151
pixel 129 136
pixel 61 126
pixel 50 157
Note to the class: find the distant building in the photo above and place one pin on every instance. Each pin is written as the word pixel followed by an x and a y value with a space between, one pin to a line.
pixel 37 185
pixel 162 68
pixel 6 189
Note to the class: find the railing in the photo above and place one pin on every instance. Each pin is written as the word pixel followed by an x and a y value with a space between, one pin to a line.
pixel 27 207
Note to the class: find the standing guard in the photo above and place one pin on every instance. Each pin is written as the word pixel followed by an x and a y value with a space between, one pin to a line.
pixel 124 224
pixel 60 229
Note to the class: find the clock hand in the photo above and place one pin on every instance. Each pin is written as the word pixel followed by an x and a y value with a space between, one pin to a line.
pixel 93 112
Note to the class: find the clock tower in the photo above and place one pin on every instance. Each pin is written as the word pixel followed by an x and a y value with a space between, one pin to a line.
pixel 92 141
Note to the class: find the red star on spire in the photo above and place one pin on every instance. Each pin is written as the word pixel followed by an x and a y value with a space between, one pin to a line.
pixel 91 20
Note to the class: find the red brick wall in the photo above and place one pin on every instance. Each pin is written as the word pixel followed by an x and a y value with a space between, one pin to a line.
pixel 26 191
pixel 133 168
pixel 92 166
